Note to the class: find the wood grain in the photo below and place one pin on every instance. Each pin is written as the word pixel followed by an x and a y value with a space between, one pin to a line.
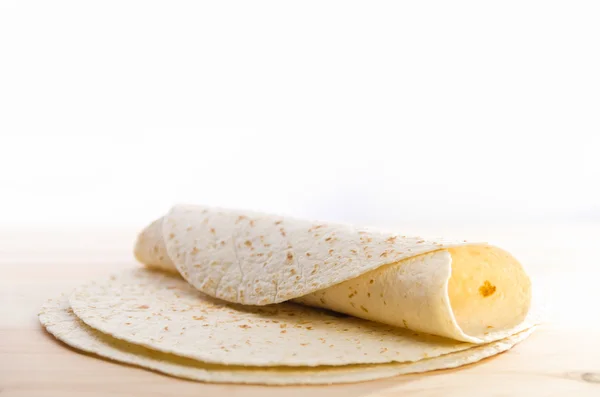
pixel 562 358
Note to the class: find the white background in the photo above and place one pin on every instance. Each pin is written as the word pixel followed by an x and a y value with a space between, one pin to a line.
pixel 370 112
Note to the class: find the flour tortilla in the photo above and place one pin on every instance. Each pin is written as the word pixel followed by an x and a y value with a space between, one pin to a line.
pixel 471 292
pixel 58 318
pixel 163 312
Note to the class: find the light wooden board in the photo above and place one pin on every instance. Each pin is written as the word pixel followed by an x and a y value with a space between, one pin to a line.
pixel 562 358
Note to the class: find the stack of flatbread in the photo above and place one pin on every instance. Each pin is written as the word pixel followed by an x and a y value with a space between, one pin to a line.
pixel 246 297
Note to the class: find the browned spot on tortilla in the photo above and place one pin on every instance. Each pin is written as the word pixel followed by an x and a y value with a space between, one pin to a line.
pixel 404 323
pixel 195 251
pixel 244 326
pixel 364 309
pixel 290 256
pixel 171 236
pixel 391 239
pixel 143 307
pixel 487 289
pixel 282 232
pixel 212 230
pixel 247 243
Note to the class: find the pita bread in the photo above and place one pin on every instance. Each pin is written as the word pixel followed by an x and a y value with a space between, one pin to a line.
pixel 470 292
pixel 58 318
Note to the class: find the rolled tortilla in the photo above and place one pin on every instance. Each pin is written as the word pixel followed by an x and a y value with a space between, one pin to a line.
pixel 470 292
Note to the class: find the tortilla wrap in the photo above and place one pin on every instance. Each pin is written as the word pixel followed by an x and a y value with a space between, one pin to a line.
pixel 163 312
pixel 471 292
pixel 58 318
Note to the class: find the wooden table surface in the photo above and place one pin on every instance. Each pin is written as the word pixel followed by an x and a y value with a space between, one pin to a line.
pixel 562 358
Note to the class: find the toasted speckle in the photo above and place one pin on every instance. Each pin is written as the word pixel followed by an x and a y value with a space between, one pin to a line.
pixel 487 289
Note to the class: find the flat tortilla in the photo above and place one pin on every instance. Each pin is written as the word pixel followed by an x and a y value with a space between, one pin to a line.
pixel 162 312
pixel 471 292
pixel 58 318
